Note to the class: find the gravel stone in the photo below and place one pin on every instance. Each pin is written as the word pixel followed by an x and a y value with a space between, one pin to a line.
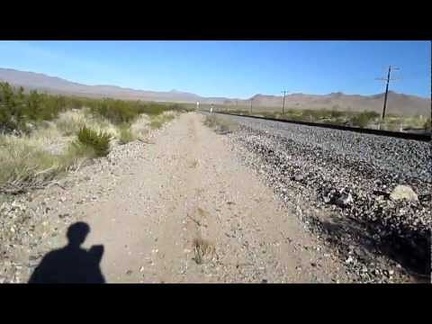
pixel 340 183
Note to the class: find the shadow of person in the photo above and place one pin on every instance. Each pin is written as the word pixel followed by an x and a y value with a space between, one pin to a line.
pixel 71 264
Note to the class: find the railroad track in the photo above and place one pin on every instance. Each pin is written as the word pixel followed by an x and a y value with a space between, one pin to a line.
pixel 409 136
pixel 305 166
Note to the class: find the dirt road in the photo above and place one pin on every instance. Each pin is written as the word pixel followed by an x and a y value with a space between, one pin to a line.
pixel 184 209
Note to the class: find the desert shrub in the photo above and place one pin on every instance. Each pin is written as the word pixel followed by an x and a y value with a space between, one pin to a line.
pixel 121 112
pixel 116 111
pixel 98 141
pixel 70 122
pixel 179 107
pixel 313 115
pixel 26 165
pixel 126 135
pixel 12 109
pixel 156 123
pixel 20 112
pixel 336 114
pixel 220 125
pixel 364 118
pixel 18 109
pixel 427 124
pixel 153 108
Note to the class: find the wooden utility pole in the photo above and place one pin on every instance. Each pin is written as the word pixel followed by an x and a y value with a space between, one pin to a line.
pixel 251 106
pixel 387 79
pixel 283 102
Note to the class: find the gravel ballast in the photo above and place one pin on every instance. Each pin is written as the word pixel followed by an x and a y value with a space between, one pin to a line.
pixel 349 189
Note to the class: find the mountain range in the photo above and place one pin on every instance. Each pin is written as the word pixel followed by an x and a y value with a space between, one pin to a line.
pixel 397 103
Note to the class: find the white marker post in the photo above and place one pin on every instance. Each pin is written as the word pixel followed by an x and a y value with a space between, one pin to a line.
pixel 197 105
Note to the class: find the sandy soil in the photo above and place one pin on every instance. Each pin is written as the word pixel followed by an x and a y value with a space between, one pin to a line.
pixel 182 208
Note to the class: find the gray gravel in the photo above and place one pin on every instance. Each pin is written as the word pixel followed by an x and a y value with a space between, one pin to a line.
pixel 340 184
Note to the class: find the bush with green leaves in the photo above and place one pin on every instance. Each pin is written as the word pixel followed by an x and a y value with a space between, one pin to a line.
pixel 126 134
pixel 364 118
pixel 182 108
pixel 335 114
pixel 121 112
pixel 12 109
pixel 156 121
pixel 309 115
pixel 116 111
pixel 153 108
pixel 19 109
pixel 99 142
pixel 427 124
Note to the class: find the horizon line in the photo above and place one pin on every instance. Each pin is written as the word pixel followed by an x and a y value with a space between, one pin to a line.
pixel 209 97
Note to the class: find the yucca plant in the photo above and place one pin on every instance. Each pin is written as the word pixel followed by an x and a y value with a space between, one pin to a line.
pixel 98 141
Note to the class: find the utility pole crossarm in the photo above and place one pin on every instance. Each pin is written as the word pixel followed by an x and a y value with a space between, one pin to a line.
pixel 385 79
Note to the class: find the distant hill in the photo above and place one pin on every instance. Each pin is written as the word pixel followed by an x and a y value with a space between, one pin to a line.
pixel 31 80
pixel 397 103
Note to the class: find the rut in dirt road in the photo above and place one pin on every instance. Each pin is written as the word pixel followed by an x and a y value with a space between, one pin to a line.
pixel 187 211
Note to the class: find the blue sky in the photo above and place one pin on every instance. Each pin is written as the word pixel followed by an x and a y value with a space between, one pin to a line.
pixel 237 69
